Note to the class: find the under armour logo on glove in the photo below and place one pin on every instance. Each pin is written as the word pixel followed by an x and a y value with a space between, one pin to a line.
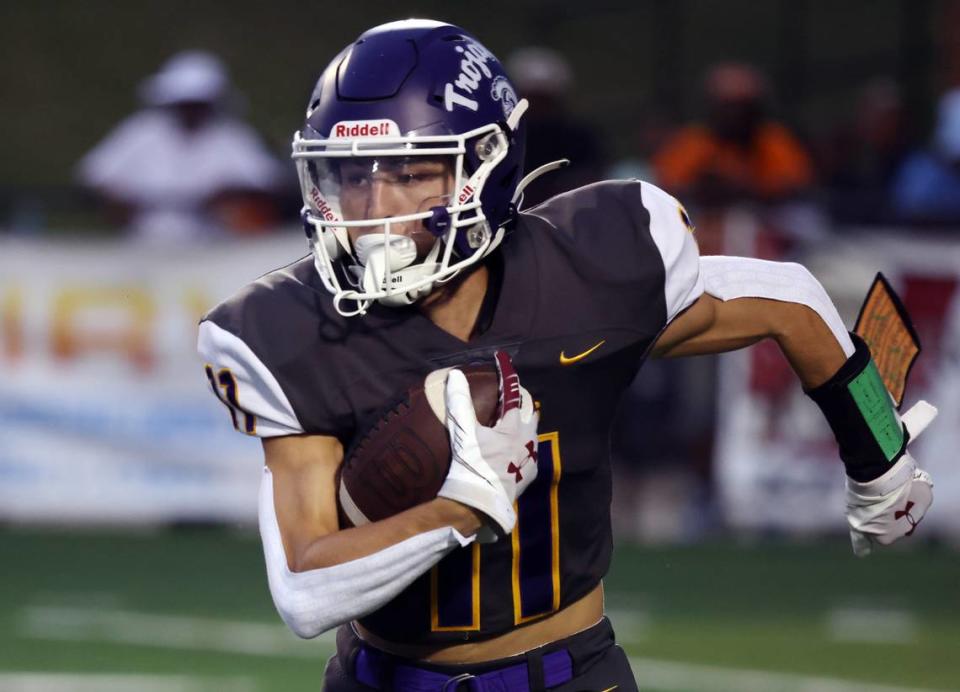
pixel 482 474
pixel 531 456
pixel 875 509
pixel 905 512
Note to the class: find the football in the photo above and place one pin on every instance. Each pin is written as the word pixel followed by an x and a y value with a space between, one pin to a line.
pixel 403 458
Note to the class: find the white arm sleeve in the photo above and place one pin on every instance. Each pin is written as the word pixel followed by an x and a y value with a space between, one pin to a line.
pixel 255 389
pixel 728 278
pixel 315 601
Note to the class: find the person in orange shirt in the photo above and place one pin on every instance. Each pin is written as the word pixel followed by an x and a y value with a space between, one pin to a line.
pixel 739 154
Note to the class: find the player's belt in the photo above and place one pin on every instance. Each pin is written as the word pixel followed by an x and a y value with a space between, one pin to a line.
pixel 376 669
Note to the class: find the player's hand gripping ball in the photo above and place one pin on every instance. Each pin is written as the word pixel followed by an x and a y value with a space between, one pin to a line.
pixel 491 465
pixel 404 458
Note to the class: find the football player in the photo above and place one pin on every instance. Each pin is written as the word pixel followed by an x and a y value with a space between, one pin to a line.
pixel 410 167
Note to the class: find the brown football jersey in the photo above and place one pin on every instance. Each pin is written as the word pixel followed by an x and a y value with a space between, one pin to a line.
pixel 586 283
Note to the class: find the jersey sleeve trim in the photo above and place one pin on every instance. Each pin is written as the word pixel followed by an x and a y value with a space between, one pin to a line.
pixel 672 234
pixel 240 380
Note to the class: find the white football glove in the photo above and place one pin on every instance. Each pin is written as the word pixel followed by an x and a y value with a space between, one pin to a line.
pixel 492 466
pixel 891 506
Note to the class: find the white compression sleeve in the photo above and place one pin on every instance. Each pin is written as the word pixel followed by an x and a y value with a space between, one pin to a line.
pixel 315 601
pixel 727 278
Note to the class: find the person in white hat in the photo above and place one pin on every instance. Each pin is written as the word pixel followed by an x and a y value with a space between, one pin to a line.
pixel 183 169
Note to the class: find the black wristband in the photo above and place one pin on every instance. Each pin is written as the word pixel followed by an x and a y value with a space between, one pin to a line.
pixel 858 408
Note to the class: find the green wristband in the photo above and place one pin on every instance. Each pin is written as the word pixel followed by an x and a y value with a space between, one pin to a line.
pixel 872 399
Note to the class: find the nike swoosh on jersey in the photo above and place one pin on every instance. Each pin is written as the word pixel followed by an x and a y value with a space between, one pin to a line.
pixel 564 360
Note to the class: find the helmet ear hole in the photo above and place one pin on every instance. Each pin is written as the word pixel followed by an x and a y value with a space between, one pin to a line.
pixel 477 235
pixel 489 146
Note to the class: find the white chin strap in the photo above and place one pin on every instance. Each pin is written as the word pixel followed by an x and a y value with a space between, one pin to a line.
pixel 386 265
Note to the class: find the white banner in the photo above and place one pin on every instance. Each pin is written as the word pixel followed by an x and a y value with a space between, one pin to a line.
pixel 104 411
pixel 105 414
pixel 775 458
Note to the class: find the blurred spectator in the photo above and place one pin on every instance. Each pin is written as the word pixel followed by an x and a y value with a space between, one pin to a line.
pixel 544 78
pixel 927 187
pixel 860 160
pixel 183 168
pixel 740 154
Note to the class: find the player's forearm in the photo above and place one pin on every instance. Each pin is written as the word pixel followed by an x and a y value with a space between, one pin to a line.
pixel 715 326
pixel 747 300
pixel 807 342
pixel 358 542
pixel 301 475
pixel 344 575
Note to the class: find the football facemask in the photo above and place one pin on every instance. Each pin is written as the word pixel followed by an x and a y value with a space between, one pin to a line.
pixel 390 217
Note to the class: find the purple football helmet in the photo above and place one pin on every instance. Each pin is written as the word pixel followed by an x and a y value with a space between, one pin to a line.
pixel 406 101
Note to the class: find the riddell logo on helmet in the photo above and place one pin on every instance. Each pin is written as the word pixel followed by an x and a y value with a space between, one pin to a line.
pixel 473 69
pixel 364 128
pixel 321 205
pixel 465 194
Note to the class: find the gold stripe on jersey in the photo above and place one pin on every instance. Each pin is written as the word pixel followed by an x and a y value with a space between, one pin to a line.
pixel 474 625
pixel 555 517
pixel 518 618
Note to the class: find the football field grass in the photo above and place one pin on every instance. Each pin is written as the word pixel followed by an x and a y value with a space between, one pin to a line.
pixel 190 611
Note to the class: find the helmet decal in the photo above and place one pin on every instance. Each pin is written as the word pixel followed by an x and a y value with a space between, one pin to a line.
pixel 502 90
pixel 321 205
pixel 365 128
pixel 473 70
